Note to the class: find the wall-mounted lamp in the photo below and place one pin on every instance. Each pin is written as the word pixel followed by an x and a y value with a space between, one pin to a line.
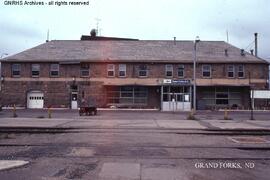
pixel 73 79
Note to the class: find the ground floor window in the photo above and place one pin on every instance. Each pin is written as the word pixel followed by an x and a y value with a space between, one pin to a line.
pixel 127 95
pixel 219 97
pixel 222 98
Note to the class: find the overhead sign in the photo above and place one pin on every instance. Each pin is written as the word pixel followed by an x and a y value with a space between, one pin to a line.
pixel 176 81
pixel 181 81
pixel 167 81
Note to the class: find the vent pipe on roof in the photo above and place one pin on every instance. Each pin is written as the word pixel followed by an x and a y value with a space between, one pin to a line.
pixel 252 52
pixel 48 36
pixel 256 44
pixel 242 52
pixel 226 52
pixel 174 40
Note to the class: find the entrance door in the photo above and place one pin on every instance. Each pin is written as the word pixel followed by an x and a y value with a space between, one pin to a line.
pixel 74 100
pixel 176 99
pixel 35 100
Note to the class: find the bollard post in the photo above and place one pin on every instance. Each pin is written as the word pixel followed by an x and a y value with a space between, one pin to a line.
pixel 14 111
pixel 191 115
pixel 49 112
pixel 226 114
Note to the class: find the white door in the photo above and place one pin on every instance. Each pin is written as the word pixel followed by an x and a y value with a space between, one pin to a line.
pixel 35 100
pixel 177 102
pixel 74 101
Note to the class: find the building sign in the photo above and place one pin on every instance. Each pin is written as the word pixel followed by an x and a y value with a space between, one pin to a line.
pixel 167 81
pixel 176 81
pixel 181 82
pixel 260 94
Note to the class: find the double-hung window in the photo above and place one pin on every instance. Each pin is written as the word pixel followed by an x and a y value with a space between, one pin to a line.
pixel 85 70
pixel 169 70
pixel 230 71
pixel 143 70
pixel 241 73
pixel 54 70
pixel 180 71
pixel 35 70
pixel 206 71
pixel 122 70
pixel 16 70
pixel 110 70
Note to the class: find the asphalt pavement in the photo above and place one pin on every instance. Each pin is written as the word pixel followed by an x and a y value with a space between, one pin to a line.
pixel 133 145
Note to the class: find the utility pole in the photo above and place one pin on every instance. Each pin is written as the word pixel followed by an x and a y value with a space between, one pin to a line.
pixel 197 40
pixel 251 98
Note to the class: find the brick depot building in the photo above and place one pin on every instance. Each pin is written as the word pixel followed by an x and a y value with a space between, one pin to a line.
pixel 131 73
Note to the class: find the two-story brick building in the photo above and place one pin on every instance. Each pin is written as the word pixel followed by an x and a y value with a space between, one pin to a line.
pixel 131 73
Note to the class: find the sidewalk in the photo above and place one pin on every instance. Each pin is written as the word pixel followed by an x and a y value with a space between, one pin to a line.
pixel 84 123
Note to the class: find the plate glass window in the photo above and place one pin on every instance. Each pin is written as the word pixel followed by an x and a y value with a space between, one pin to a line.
pixel 169 70
pixel 143 70
pixel 85 70
pixel 206 71
pixel 35 70
pixel 241 71
pixel 122 70
pixel 110 70
pixel 180 71
pixel 230 71
pixel 54 70
pixel 16 70
pixel 222 98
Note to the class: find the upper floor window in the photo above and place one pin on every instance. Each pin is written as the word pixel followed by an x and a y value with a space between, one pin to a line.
pixel 35 70
pixel 16 70
pixel 180 71
pixel 241 73
pixel 85 70
pixel 206 71
pixel 230 71
pixel 110 70
pixel 143 72
pixel 54 70
pixel 122 70
pixel 169 70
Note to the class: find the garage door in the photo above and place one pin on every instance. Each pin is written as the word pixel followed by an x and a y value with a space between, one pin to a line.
pixel 35 100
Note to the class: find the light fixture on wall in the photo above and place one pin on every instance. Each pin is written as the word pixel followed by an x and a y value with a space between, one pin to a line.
pixel 73 79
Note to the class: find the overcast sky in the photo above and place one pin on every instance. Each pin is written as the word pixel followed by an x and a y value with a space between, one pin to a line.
pixel 23 27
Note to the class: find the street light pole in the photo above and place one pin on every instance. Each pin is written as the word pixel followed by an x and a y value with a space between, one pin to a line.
pixel 197 40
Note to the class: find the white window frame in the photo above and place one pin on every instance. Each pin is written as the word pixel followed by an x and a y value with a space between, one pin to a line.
pixel 142 68
pixel 206 68
pixel 84 67
pixel 182 67
pixel 122 69
pixel 231 68
pixel 18 69
pixel 35 67
pixel 242 71
pixel 111 68
pixel 168 68
pixel 54 68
